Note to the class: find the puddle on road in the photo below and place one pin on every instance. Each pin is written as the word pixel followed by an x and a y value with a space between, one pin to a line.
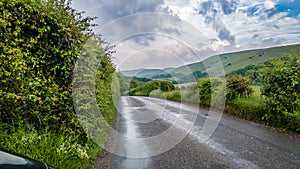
pixel 130 144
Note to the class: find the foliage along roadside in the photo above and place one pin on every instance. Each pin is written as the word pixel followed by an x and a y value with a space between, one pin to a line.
pixel 40 43
pixel 282 91
pixel 278 104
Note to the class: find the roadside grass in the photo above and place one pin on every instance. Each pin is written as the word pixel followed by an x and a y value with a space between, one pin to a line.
pixel 66 151
pixel 252 108
pixel 157 93
pixel 190 96
pixel 174 95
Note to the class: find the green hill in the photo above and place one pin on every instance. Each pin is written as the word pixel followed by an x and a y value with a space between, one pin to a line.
pixel 143 73
pixel 230 62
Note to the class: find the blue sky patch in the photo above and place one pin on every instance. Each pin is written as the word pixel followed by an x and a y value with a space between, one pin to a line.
pixel 293 8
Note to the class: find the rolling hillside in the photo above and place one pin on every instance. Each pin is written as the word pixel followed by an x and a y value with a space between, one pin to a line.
pixel 145 73
pixel 230 62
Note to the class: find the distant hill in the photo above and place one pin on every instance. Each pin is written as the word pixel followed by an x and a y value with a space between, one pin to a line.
pixel 143 73
pixel 131 73
pixel 230 62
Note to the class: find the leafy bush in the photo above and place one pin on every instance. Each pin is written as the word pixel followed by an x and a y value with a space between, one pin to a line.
pixel 237 86
pixel 209 87
pixel 107 95
pixel 41 42
pixel 190 94
pixel 281 87
pixel 250 108
pixel 157 93
pixel 292 120
pixel 174 95
pixel 144 89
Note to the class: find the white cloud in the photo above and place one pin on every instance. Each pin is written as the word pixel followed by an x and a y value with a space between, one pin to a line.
pixel 223 25
pixel 269 4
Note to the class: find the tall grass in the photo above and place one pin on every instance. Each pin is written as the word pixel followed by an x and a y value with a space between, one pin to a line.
pixel 190 96
pixel 174 95
pixel 157 93
pixel 250 108
pixel 177 95
pixel 65 151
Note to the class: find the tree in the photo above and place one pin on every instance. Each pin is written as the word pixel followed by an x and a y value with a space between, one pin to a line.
pixel 207 87
pixel 238 86
pixel 144 89
pixel 166 86
pixel 199 74
pixel 281 87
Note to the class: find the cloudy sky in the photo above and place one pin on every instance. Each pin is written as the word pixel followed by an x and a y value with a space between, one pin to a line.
pixel 170 33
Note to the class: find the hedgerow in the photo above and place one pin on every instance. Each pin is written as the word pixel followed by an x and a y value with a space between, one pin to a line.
pixel 41 41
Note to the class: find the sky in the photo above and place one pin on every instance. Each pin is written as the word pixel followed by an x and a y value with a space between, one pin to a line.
pixel 171 33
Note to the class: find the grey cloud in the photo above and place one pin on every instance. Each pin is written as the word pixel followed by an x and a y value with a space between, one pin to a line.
pixel 228 6
pixel 172 31
pixel 276 26
pixel 255 36
pixel 130 26
pixel 208 10
pixel 213 40
pixel 143 39
pixel 223 32
pixel 271 42
pixel 119 8
pixel 252 31
pixel 271 12
pixel 108 10
pixel 205 7
pixel 210 7
pixel 264 43
pixel 260 11
pixel 253 10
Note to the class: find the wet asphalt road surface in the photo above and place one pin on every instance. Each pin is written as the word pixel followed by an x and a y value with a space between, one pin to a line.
pixel 235 143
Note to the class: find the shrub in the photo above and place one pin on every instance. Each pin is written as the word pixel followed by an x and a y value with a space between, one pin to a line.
pixel 144 89
pixel 157 93
pixel 250 108
pixel 281 87
pixel 174 95
pixel 209 87
pixel 292 120
pixel 190 94
pixel 41 42
pixel 237 86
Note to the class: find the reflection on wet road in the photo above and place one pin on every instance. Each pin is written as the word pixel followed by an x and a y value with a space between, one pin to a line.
pixel 131 131
pixel 234 144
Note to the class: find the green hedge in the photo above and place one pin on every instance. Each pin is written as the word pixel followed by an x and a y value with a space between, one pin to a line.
pixel 40 44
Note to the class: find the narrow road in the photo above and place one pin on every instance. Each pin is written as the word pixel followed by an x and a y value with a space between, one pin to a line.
pixel 234 144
